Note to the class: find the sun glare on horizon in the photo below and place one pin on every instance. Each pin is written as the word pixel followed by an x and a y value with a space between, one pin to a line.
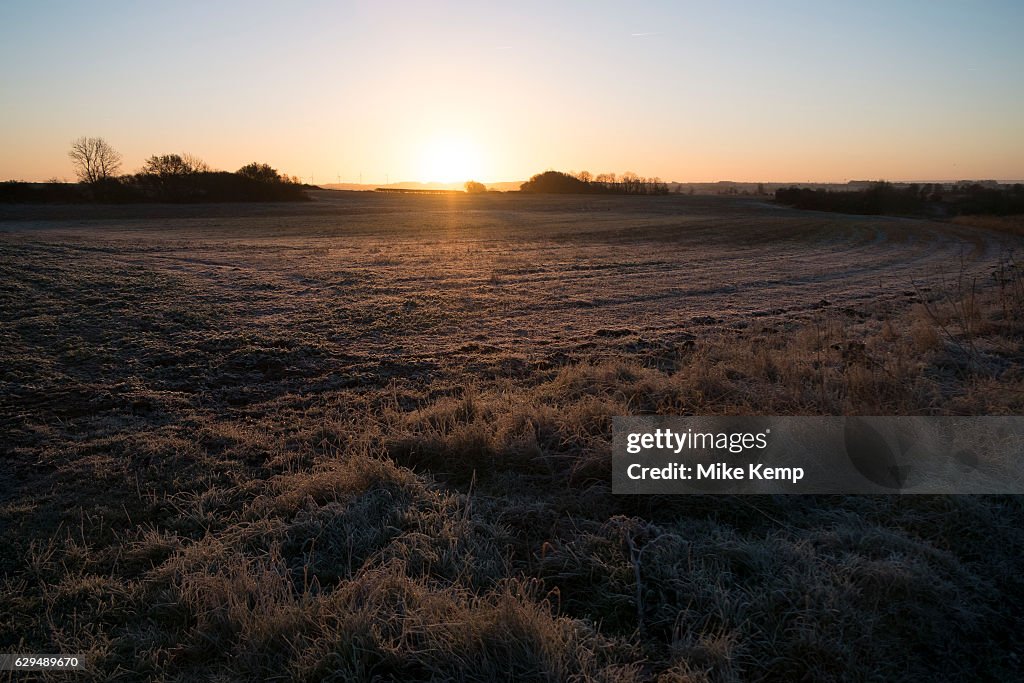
pixel 449 159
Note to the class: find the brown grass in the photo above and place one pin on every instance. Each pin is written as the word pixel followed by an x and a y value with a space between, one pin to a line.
pixel 370 441
pixel 1010 224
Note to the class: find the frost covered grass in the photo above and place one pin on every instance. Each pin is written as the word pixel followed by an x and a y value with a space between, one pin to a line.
pixel 369 437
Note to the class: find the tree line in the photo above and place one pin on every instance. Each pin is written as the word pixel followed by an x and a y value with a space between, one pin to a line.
pixel 557 182
pixel 928 199
pixel 162 178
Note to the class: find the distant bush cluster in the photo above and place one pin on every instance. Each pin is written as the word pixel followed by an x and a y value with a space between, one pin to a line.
pixel 173 178
pixel 180 178
pixel 556 182
pixel 929 199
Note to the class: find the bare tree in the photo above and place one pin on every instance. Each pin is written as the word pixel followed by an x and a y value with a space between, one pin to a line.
pixel 631 183
pixel 195 164
pixel 94 159
pixel 170 165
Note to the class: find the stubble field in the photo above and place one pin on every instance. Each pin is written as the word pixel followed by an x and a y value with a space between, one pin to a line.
pixel 369 437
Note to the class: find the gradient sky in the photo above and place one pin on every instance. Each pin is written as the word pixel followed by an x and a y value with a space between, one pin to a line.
pixel 688 91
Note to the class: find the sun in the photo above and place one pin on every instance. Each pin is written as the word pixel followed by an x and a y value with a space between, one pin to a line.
pixel 449 159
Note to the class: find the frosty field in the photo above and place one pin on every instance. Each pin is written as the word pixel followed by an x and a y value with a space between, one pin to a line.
pixel 369 435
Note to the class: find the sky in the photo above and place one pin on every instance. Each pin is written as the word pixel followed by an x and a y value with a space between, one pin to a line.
pixel 447 91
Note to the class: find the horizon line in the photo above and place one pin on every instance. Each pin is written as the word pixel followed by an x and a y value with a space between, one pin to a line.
pixel 1001 181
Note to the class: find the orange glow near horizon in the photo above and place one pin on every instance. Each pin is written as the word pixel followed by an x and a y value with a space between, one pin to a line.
pixel 688 92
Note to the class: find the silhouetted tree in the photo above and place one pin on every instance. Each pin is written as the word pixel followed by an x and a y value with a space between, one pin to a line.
pixel 264 173
pixel 171 177
pixel 630 183
pixel 912 200
pixel 655 186
pixel 94 159
pixel 473 187
pixel 554 182
pixel 170 165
